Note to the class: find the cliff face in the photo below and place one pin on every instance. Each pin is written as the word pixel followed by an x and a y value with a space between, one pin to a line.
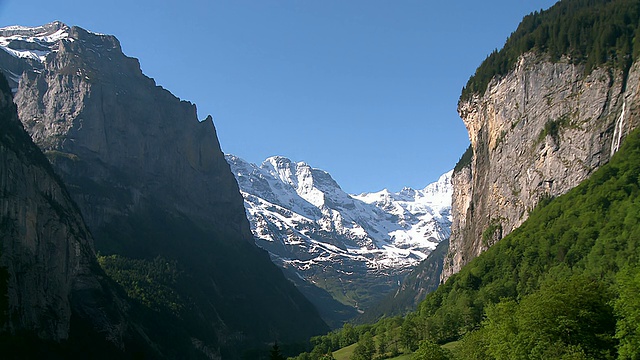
pixel 46 247
pixel 536 133
pixel 100 120
pixel 50 279
pixel 151 181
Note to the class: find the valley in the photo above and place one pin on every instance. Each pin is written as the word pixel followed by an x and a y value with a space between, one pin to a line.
pixel 357 248
pixel 127 232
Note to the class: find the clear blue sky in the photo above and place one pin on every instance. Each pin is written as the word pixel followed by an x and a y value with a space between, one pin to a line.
pixel 364 89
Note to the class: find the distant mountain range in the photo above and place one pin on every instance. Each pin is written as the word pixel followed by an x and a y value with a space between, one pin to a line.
pixel 355 247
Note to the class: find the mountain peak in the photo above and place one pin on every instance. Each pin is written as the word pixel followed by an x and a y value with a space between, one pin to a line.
pixel 34 31
pixel 278 162
pixel 309 224
pixel 33 42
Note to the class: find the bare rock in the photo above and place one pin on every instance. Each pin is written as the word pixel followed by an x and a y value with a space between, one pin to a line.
pixel 536 133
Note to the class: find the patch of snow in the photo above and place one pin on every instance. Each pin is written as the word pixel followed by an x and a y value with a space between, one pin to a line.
pixel 33 42
pixel 305 211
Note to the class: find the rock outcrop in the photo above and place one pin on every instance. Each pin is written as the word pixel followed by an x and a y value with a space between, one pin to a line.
pixel 51 286
pixel 151 181
pixel 535 133
pixel 99 119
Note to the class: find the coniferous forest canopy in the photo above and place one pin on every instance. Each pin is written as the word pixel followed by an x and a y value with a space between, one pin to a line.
pixel 592 32
pixel 565 284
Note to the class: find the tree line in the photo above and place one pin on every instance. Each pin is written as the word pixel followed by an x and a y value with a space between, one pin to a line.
pixel 563 285
pixel 589 32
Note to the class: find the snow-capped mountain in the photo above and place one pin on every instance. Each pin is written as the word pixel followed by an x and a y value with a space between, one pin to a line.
pixel 30 46
pixel 357 247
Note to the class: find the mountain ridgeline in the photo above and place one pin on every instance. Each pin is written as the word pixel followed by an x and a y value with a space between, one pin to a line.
pixel 543 260
pixel 150 181
pixel 542 114
pixel 344 251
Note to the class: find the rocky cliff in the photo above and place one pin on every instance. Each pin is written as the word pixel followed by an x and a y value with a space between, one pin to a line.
pixel 99 119
pixel 152 183
pixel 535 133
pixel 54 294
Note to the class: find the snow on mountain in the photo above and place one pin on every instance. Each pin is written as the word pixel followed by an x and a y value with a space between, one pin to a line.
pixel 27 48
pixel 357 247
pixel 32 42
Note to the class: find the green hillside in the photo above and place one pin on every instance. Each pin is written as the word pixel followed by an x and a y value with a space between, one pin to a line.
pixel 560 282
pixel 566 284
pixel 563 285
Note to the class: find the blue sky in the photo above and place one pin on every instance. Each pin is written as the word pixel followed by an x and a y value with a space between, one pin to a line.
pixel 364 89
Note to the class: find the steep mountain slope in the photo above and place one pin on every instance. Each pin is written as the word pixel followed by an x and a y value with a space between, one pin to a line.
pixel 555 278
pixel 422 280
pixel 152 183
pixel 542 115
pixel 356 247
pixel 56 301
pixel 563 285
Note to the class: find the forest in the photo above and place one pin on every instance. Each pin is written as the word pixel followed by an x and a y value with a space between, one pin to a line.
pixel 564 286
pixel 589 32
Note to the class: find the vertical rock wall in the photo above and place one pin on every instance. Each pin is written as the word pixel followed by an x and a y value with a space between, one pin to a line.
pixel 46 251
pixel 535 133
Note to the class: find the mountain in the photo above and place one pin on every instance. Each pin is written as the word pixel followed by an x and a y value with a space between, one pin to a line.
pixel 355 247
pixel 422 280
pixel 543 261
pixel 563 285
pixel 56 301
pixel 542 116
pixel 155 191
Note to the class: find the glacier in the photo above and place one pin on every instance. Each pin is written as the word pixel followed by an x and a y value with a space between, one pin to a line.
pixel 356 247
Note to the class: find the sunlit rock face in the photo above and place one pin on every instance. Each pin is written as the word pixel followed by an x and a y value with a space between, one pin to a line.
pixel 48 267
pixel 536 133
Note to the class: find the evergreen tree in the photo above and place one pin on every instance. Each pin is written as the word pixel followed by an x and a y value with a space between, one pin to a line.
pixel 365 349
pixel 275 353
pixel 627 309
pixel 590 32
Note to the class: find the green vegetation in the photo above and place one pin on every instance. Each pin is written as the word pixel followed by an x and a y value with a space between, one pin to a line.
pixel 465 160
pixel 151 282
pixel 627 310
pixel 589 32
pixel 552 128
pixel 569 316
pixel 563 285
pixel 345 353
pixel 358 288
pixel 381 341
pixel 552 282
pixel 492 233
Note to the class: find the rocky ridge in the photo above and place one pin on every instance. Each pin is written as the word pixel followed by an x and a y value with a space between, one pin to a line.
pixel 345 244
pixel 535 133
pixel 151 181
